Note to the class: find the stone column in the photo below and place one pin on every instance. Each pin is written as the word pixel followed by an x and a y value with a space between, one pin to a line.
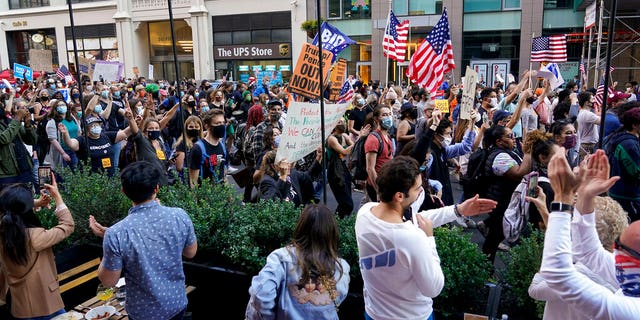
pixel 455 10
pixel 531 23
pixel 201 31
pixel 4 49
pixel 379 12
pixel 125 32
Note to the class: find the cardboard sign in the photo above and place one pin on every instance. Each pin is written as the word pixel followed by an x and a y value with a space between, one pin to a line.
pixel 151 71
pixel 24 72
pixel 338 74
pixel 468 94
pixel 301 133
pixel 86 66
pixel 442 105
pixel 107 70
pixel 305 80
pixel 40 60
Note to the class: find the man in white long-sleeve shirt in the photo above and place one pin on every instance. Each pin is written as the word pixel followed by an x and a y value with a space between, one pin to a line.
pixel 398 260
pixel 591 299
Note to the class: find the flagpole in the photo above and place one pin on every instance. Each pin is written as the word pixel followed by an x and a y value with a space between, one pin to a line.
pixel 385 32
pixel 83 125
pixel 586 71
pixel 607 75
pixel 533 35
pixel 321 98
pixel 595 76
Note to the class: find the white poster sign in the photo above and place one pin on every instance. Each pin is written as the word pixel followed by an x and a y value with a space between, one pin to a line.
pixel 590 16
pixel 301 133
pixel 468 93
pixel 107 70
pixel 151 72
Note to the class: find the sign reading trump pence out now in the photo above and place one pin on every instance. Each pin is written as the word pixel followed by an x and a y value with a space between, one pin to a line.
pixel 305 79
pixel 302 131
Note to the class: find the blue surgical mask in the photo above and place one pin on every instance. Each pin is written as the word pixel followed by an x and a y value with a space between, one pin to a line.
pixel 105 94
pixel 276 141
pixel 387 123
pixel 79 114
pixel 52 86
pixel 62 109
pixel 75 96
pixel 361 101
pixel 116 94
pixel 204 109
pixel 96 130
pixel 97 108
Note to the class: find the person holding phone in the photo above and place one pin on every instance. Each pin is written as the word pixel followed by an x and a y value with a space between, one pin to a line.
pixel 28 268
pixel 16 160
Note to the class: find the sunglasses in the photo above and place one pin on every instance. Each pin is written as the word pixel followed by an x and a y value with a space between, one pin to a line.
pixel 618 245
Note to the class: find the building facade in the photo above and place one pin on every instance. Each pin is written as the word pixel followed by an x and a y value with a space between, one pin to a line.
pixel 239 39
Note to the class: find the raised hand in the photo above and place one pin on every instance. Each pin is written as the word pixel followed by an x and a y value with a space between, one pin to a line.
pixel 564 182
pixel 475 206
pixel 595 181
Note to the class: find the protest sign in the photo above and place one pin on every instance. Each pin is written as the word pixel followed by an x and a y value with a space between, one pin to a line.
pixel 23 72
pixel 305 79
pixel 337 77
pixel 442 105
pixel 86 66
pixel 301 133
pixel 107 71
pixel 40 60
pixel 151 72
pixel 468 94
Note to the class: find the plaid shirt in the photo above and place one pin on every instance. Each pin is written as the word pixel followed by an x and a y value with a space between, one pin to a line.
pixel 257 145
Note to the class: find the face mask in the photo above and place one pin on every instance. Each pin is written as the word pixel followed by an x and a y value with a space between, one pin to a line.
pixel 193 132
pixel 52 86
pixel 218 131
pixel 218 98
pixel 570 141
pixel 446 141
pixel 415 206
pixel 105 94
pixel 181 94
pixel 96 130
pixel 494 102
pixel 191 104
pixel 501 96
pixel 44 98
pixel 204 109
pixel 143 93
pixel 89 88
pixel 387 123
pixel 79 114
pixel 97 108
pixel 627 274
pixel 153 134
pixel 75 96
pixel 117 94
pixel 276 141
pixel 62 109
pixel 274 116
pixel 140 110
pixel 478 96
pixel 361 101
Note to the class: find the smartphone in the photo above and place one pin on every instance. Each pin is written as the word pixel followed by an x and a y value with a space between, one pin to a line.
pixel 44 176
pixel 532 185
pixel 485 118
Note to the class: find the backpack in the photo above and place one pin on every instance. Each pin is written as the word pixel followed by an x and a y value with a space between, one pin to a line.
pixel 205 159
pixel 473 182
pixel 247 146
pixel 357 159
pixel 239 142
pixel 517 214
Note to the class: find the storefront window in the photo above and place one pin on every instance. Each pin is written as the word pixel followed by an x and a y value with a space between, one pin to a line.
pixel 349 9
pixel 558 4
pixel 492 45
pixel 21 4
pixel 94 48
pixel 160 41
pixel 20 42
pixel 417 7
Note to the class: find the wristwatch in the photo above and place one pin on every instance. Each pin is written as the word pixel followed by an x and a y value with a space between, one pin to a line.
pixel 559 206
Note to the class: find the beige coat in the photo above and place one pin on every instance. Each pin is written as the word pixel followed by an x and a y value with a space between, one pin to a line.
pixel 34 286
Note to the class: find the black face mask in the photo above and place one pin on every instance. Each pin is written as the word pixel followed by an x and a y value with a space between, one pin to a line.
pixel 154 135
pixel 191 104
pixel 193 133
pixel 44 98
pixel 218 131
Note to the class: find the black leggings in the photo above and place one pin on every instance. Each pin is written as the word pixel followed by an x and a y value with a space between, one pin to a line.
pixel 342 193
pixel 495 234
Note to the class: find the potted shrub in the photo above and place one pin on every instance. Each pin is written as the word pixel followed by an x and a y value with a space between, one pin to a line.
pixel 311 27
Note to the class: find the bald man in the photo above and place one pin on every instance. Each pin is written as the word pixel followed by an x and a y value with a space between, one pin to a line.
pixel 622 266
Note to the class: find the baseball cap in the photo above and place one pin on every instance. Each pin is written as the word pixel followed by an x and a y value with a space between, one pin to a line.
pixel 91 120
pixel 619 95
pixel 139 87
pixel 274 102
pixel 163 92
pixel 252 81
pixel 500 115
pixel 406 107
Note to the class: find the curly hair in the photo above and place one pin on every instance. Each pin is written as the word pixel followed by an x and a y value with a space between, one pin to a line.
pixel 611 220
pixel 539 143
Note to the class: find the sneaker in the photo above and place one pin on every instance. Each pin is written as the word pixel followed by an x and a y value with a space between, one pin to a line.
pixel 504 247
pixel 482 228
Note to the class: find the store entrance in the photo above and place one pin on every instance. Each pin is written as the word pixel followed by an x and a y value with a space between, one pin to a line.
pixel 166 70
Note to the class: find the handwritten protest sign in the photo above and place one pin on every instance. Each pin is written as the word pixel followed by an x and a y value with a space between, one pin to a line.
pixel 107 70
pixel 442 105
pixel 301 133
pixel 40 60
pixel 468 93
pixel 337 78
pixel 305 80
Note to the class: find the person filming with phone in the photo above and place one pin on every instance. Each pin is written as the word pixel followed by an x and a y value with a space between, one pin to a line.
pixel 28 269
pixel 16 160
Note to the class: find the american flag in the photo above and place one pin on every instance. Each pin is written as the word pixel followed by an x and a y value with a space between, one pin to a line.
pixel 599 92
pixel 394 43
pixel 346 92
pixel 433 58
pixel 62 72
pixel 550 49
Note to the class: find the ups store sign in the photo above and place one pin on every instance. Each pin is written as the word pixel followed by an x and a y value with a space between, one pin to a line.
pixel 254 51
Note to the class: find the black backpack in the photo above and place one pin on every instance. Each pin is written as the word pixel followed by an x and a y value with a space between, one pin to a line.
pixel 474 181
pixel 357 158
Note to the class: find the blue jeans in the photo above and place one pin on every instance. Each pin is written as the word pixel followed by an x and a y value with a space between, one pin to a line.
pixel 73 164
pixel 116 154
pixel 57 313
pixel 367 317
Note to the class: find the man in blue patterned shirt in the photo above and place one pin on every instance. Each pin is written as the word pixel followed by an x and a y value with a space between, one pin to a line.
pixel 150 242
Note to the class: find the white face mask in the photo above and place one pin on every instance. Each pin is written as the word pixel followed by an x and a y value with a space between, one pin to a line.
pixel 447 142
pixel 494 102
pixel 415 206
